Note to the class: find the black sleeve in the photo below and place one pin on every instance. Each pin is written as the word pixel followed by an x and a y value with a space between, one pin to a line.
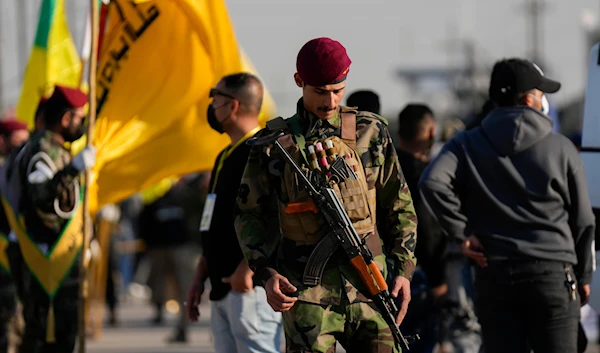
pixel 431 248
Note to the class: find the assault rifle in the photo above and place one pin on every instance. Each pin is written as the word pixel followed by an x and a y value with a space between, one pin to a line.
pixel 342 234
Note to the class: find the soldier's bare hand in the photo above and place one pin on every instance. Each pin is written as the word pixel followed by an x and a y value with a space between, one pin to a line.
pixel 193 300
pixel 275 287
pixel 473 249
pixel 401 289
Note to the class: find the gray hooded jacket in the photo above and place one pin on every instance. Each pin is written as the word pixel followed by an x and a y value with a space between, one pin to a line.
pixel 518 187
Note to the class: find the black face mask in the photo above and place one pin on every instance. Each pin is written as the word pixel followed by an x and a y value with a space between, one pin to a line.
pixel 212 120
pixel 70 137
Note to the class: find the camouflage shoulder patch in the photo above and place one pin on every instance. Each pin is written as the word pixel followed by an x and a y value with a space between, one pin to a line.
pixel 345 109
pixel 363 116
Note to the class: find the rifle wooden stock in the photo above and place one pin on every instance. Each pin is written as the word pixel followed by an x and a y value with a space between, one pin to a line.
pixel 361 267
pixel 370 275
pixel 378 277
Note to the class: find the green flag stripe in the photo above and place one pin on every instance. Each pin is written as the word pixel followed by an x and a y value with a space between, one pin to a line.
pixel 43 31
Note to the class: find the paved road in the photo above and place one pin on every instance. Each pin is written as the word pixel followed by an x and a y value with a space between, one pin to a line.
pixel 137 335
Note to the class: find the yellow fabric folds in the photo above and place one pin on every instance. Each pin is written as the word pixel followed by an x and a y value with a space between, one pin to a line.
pixel 158 62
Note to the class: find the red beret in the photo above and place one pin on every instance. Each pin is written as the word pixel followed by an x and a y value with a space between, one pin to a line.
pixel 8 126
pixel 71 97
pixel 322 61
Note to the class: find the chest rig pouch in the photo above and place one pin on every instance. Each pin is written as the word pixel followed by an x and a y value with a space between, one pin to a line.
pixel 299 219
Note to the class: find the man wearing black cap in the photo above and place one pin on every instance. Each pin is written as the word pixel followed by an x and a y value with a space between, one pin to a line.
pixel 516 195
pixel 42 202
pixel 316 314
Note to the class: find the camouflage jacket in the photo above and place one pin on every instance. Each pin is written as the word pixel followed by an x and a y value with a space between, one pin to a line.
pixel 261 182
pixel 47 203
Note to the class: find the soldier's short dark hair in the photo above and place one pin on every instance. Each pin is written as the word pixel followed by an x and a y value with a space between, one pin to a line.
pixel 242 87
pixel 410 118
pixel 53 113
pixel 365 100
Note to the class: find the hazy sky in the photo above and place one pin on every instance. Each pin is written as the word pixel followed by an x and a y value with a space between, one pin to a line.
pixel 384 35
pixel 380 35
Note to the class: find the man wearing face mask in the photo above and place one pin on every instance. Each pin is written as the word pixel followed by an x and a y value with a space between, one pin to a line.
pixel 42 184
pixel 516 195
pixel 241 319
pixel 338 307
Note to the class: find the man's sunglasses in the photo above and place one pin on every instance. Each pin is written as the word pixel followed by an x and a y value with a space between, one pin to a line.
pixel 215 92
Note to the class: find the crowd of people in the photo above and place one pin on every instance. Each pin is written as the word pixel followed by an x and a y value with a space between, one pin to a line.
pixel 484 244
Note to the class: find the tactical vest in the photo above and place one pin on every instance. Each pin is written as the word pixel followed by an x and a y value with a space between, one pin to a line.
pixel 299 220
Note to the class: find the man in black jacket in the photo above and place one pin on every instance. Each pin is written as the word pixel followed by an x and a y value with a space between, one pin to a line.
pixel 516 194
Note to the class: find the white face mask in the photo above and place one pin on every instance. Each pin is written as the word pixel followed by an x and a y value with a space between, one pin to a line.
pixel 545 105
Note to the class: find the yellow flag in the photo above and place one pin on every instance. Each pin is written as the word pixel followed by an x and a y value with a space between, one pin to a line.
pixel 158 62
pixel 53 60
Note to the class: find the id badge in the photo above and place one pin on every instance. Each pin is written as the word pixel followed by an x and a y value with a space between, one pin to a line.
pixel 207 214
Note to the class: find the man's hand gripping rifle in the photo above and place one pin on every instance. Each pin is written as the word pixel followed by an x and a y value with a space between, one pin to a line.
pixel 342 234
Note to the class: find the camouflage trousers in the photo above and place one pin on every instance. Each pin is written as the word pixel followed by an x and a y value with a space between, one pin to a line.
pixel 316 328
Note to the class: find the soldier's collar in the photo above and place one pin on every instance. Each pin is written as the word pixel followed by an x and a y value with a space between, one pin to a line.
pixel 308 119
pixel 55 138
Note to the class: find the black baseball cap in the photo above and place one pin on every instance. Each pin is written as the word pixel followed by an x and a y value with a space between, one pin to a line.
pixel 511 77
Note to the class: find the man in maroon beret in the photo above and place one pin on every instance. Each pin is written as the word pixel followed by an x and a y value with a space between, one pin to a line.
pixel 322 66
pixel 45 189
pixel 13 133
pixel 317 312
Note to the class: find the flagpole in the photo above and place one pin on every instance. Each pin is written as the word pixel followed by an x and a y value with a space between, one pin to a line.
pixel 86 47
pixel 87 228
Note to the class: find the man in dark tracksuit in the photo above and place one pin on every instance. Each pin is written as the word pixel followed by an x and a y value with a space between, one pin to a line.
pixel 516 194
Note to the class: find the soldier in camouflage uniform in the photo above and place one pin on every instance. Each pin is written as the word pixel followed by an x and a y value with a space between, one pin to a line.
pixel 48 180
pixel 337 309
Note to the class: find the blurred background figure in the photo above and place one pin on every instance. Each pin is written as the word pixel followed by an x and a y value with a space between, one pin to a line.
pixel 365 100
pixel 162 226
pixel 416 136
pixel 13 134
pixel 125 237
pixel 441 310
pixel 196 187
